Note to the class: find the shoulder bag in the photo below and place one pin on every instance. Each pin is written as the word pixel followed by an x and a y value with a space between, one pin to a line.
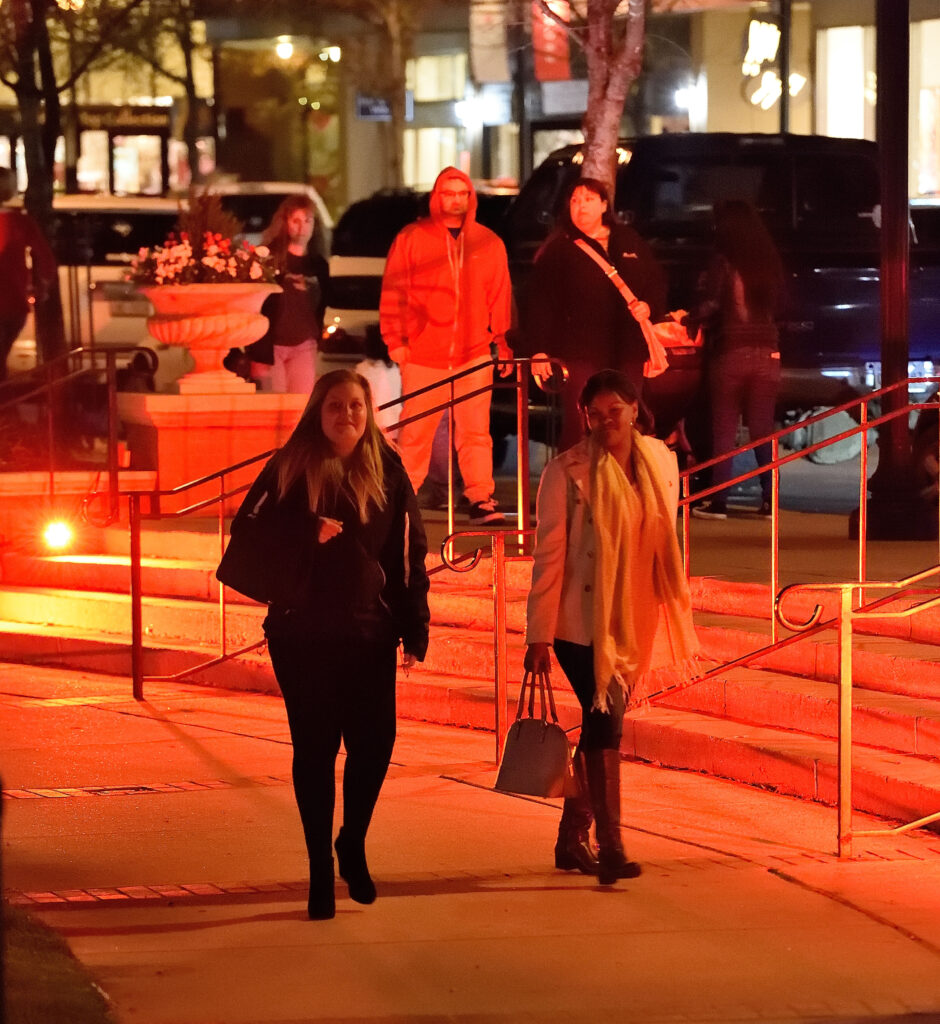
pixel 268 556
pixel 537 756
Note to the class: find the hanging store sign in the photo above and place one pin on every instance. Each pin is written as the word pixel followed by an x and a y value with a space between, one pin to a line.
pixel 550 44
pixel 132 120
pixel 378 108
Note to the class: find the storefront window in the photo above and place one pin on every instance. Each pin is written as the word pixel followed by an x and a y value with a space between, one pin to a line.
pixel 180 176
pixel 433 79
pixel 93 161
pixel 427 152
pixel 846 82
pixel 137 168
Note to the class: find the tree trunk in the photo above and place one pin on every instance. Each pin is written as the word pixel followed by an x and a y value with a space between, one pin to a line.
pixel 38 101
pixel 614 59
pixel 191 124
pixel 398 55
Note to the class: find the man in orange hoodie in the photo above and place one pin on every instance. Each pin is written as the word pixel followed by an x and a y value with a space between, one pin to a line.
pixel 445 307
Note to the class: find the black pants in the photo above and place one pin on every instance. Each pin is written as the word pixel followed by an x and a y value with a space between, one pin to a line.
pixel 600 730
pixel 336 689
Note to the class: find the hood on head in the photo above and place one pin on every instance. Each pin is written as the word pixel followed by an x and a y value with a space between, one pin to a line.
pixel 435 201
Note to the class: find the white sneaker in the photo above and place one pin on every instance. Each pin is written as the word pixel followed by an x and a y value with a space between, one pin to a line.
pixel 709 510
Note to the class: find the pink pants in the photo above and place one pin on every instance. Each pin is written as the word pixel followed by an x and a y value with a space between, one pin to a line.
pixel 471 427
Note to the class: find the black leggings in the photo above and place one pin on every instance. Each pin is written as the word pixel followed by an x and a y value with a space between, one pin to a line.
pixel 600 730
pixel 336 689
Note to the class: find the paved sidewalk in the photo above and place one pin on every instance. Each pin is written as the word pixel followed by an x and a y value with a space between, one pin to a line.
pixel 162 841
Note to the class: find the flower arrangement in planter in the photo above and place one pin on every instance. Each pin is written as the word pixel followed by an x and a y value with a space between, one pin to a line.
pixel 204 249
pixel 207 288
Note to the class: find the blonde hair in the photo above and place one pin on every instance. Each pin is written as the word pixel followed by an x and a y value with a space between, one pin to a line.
pixel 308 452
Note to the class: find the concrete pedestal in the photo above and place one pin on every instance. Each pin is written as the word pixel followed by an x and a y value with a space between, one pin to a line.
pixel 189 436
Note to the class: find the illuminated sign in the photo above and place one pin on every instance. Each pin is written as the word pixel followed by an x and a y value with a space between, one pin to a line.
pixel 762 85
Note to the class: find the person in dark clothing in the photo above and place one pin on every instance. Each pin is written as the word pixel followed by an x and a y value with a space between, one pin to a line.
pixel 339 488
pixel 19 237
pixel 295 313
pixel 572 310
pixel 742 295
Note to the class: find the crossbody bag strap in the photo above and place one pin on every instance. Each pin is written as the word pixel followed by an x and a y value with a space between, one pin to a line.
pixel 610 271
pixel 658 360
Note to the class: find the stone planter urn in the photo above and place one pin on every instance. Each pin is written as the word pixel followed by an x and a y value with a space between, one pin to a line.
pixel 208 320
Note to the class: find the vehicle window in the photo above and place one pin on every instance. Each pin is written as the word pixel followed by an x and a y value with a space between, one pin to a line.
pixel 100 237
pixel 355 291
pixel 256 210
pixel 369 227
pixel 537 205
pixel 835 196
pixel 925 220
pixel 678 197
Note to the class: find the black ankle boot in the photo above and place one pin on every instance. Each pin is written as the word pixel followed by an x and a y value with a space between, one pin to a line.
pixel 321 900
pixel 573 853
pixel 573 850
pixel 354 870
pixel 603 772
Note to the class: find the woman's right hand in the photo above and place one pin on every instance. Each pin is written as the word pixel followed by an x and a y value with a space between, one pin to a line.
pixel 537 659
pixel 327 529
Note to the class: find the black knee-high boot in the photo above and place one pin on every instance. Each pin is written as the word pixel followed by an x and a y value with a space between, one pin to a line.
pixel 603 772
pixel 573 849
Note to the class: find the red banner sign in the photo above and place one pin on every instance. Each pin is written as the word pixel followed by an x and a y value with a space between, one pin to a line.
pixel 550 40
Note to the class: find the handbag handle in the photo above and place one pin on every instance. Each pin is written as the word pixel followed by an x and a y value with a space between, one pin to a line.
pixel 551 699
pixel 529 681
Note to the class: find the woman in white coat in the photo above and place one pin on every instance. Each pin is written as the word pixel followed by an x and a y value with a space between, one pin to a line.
pixel 607 578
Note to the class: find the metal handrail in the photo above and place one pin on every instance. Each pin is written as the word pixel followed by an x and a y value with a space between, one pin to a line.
pixel 56 373
pixel 136 515
pixel 465 563
pixel 864 424
pixel 848 614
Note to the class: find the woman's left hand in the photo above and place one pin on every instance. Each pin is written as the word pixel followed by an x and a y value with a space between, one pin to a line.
pixel 640 309
pixel 408 660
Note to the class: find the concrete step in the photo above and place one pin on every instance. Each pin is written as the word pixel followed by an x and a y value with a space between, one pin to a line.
pixel 885 783
pixel 754 600
pixel 165 620
pixel 884 664
pixel 762 697
pixel 452 601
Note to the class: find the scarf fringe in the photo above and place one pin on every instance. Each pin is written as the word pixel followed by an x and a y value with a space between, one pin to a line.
pixel 639 695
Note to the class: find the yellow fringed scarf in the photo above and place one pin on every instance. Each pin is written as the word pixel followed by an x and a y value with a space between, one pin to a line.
pixel 641 596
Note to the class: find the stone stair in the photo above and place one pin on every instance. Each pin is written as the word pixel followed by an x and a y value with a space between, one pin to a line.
pixel 772 725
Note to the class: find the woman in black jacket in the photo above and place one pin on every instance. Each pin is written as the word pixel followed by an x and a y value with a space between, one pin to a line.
pixel 742 296
pixel 338 501
pixel 573 311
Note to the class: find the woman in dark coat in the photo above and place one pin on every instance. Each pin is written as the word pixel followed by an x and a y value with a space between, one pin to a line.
pixel 573 311
pixel 339 500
